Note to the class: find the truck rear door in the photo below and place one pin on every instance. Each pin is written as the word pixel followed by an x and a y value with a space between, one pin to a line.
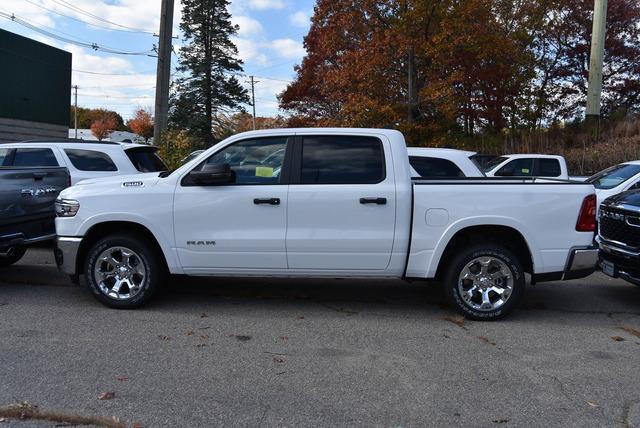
pixel 342 204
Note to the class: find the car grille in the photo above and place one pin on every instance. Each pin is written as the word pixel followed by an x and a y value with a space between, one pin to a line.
pixel 614 226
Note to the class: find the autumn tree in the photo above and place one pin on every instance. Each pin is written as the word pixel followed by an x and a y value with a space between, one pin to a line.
pixel 209 60
pixel 103 126
pixel 86 116
pixel 142 123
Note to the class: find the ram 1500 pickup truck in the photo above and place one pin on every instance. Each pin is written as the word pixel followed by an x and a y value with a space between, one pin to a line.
pixel 27 197
pixel 324 203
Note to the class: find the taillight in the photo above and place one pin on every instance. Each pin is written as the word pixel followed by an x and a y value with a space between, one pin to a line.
pixel 587 217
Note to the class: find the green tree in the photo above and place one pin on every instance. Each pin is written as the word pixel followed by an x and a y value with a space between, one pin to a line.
pixel 209 62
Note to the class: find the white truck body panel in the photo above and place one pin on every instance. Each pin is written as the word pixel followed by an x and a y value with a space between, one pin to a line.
pixel 322 230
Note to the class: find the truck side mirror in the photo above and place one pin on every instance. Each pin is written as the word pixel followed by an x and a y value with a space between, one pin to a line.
pixel 211 175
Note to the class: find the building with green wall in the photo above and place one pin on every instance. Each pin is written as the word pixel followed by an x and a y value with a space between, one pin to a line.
pixel 35 89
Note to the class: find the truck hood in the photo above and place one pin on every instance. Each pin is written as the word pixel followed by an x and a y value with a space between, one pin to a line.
pixel 133 180
pixel 631 197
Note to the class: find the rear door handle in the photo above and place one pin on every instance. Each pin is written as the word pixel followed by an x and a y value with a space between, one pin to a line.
pixel 266 201
pixel 377 201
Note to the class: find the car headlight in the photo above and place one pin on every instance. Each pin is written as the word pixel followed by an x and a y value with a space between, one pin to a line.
pixel 67 207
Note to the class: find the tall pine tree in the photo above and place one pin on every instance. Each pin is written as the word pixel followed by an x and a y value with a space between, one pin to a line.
pixel 208 60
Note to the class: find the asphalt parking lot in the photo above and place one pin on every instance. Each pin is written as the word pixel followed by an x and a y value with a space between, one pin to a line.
pixel 239 352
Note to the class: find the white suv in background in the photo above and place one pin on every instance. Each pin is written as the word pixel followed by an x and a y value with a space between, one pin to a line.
pixel 83 159
pixel 531 165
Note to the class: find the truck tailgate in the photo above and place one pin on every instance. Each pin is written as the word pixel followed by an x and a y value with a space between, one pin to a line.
pixel 27 197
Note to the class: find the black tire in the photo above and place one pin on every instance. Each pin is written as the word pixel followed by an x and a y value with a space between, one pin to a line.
pixel 487 251
pixel 144 286
pixel 13 255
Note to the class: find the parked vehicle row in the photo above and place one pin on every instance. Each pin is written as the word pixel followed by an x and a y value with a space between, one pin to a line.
pixel 317 203
pixel 324 203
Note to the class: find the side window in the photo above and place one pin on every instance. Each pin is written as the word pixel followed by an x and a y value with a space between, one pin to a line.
pixel 548 168
pixel 34 157
pixel 517 168
pixel 256 161
pixel 434 167
pixel 90 160
pixel 5 157
pixel 342 160
pixel 146 160
pixel 635 186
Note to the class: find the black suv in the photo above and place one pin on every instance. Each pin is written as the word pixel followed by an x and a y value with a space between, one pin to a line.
pixel 619 236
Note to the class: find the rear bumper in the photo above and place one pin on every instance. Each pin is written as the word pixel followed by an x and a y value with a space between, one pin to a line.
pixel 624 260
pixel 66 253
pixel 581 262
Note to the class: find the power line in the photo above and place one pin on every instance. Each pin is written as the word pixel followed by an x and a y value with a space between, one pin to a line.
pixel 90 45
pixel 111 74
pixel 85 22
pixel 76 9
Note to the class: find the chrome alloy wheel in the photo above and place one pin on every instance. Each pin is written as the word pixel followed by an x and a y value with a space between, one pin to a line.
pixel 119 273
pixel 485 283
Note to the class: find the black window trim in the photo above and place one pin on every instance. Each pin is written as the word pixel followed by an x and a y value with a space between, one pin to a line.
pixel 296 165
pixel 285 176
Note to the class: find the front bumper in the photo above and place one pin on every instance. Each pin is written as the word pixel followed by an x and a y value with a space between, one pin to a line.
pixel 581 262
pixel 619 261
pixel 66 253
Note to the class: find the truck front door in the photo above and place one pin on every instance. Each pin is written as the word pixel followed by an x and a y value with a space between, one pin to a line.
pixel 238 225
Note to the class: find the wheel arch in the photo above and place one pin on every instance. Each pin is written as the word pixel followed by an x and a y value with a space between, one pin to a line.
pixel 103 229
pixel 507 236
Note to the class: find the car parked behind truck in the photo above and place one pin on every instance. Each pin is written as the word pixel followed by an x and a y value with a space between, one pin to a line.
pixel 528 165
pixel 27 197
pixel 84 159
pixel 339 203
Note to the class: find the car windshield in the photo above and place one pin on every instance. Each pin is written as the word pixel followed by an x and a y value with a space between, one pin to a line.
pixel 494 162
pixel 614 176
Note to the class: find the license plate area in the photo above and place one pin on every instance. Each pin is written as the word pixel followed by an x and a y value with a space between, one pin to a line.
pixel 609 268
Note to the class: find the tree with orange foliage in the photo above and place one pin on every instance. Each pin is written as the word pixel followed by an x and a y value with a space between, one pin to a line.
pixel 103 126
pixel 142 123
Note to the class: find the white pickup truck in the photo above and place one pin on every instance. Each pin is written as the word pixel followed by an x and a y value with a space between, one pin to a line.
pixel 324 203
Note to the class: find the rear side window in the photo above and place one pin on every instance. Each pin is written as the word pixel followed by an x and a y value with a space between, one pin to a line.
pixel 435 167
pixel 548 168
pixel 146 160
pixel 342 160
pixel 4 157
pixel 90 160
pixel 34 157
pixel 517 168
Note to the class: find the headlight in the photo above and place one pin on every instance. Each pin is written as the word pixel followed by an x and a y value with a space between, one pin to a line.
pixel 67 207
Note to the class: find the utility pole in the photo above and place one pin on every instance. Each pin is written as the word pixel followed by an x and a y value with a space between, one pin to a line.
pixel 163 71
pixel 75 110
pixel 598 33
pixel 253 99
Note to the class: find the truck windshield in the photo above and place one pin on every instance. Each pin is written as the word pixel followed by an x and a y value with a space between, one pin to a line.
pixel 494 162
pixel 614 176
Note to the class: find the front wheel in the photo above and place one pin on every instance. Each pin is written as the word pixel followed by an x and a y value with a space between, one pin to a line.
pixel 123 271
pixel 484 282
pixel 11 256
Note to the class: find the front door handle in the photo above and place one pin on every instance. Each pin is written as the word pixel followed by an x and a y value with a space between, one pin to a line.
pixel 377 201
pixel 266 201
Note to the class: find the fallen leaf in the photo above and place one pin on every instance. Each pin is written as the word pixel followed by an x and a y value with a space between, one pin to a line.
pixel 500 421
pixel 200 345
pixel 592 404
pixel 486 340
pixel 242 338
pixel 618 338
pixel 280 373
pixel 190 333
pixel 204 336
pixel 122 378
pixel 137 425
pixel 631 330
pixel 108 395
pixel 162 337
pixel 455 319
pixel 278 360
pixel 285 338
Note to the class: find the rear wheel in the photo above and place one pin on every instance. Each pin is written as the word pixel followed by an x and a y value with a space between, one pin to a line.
pixel 11 256
pixel 123 271
pixel 485 282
